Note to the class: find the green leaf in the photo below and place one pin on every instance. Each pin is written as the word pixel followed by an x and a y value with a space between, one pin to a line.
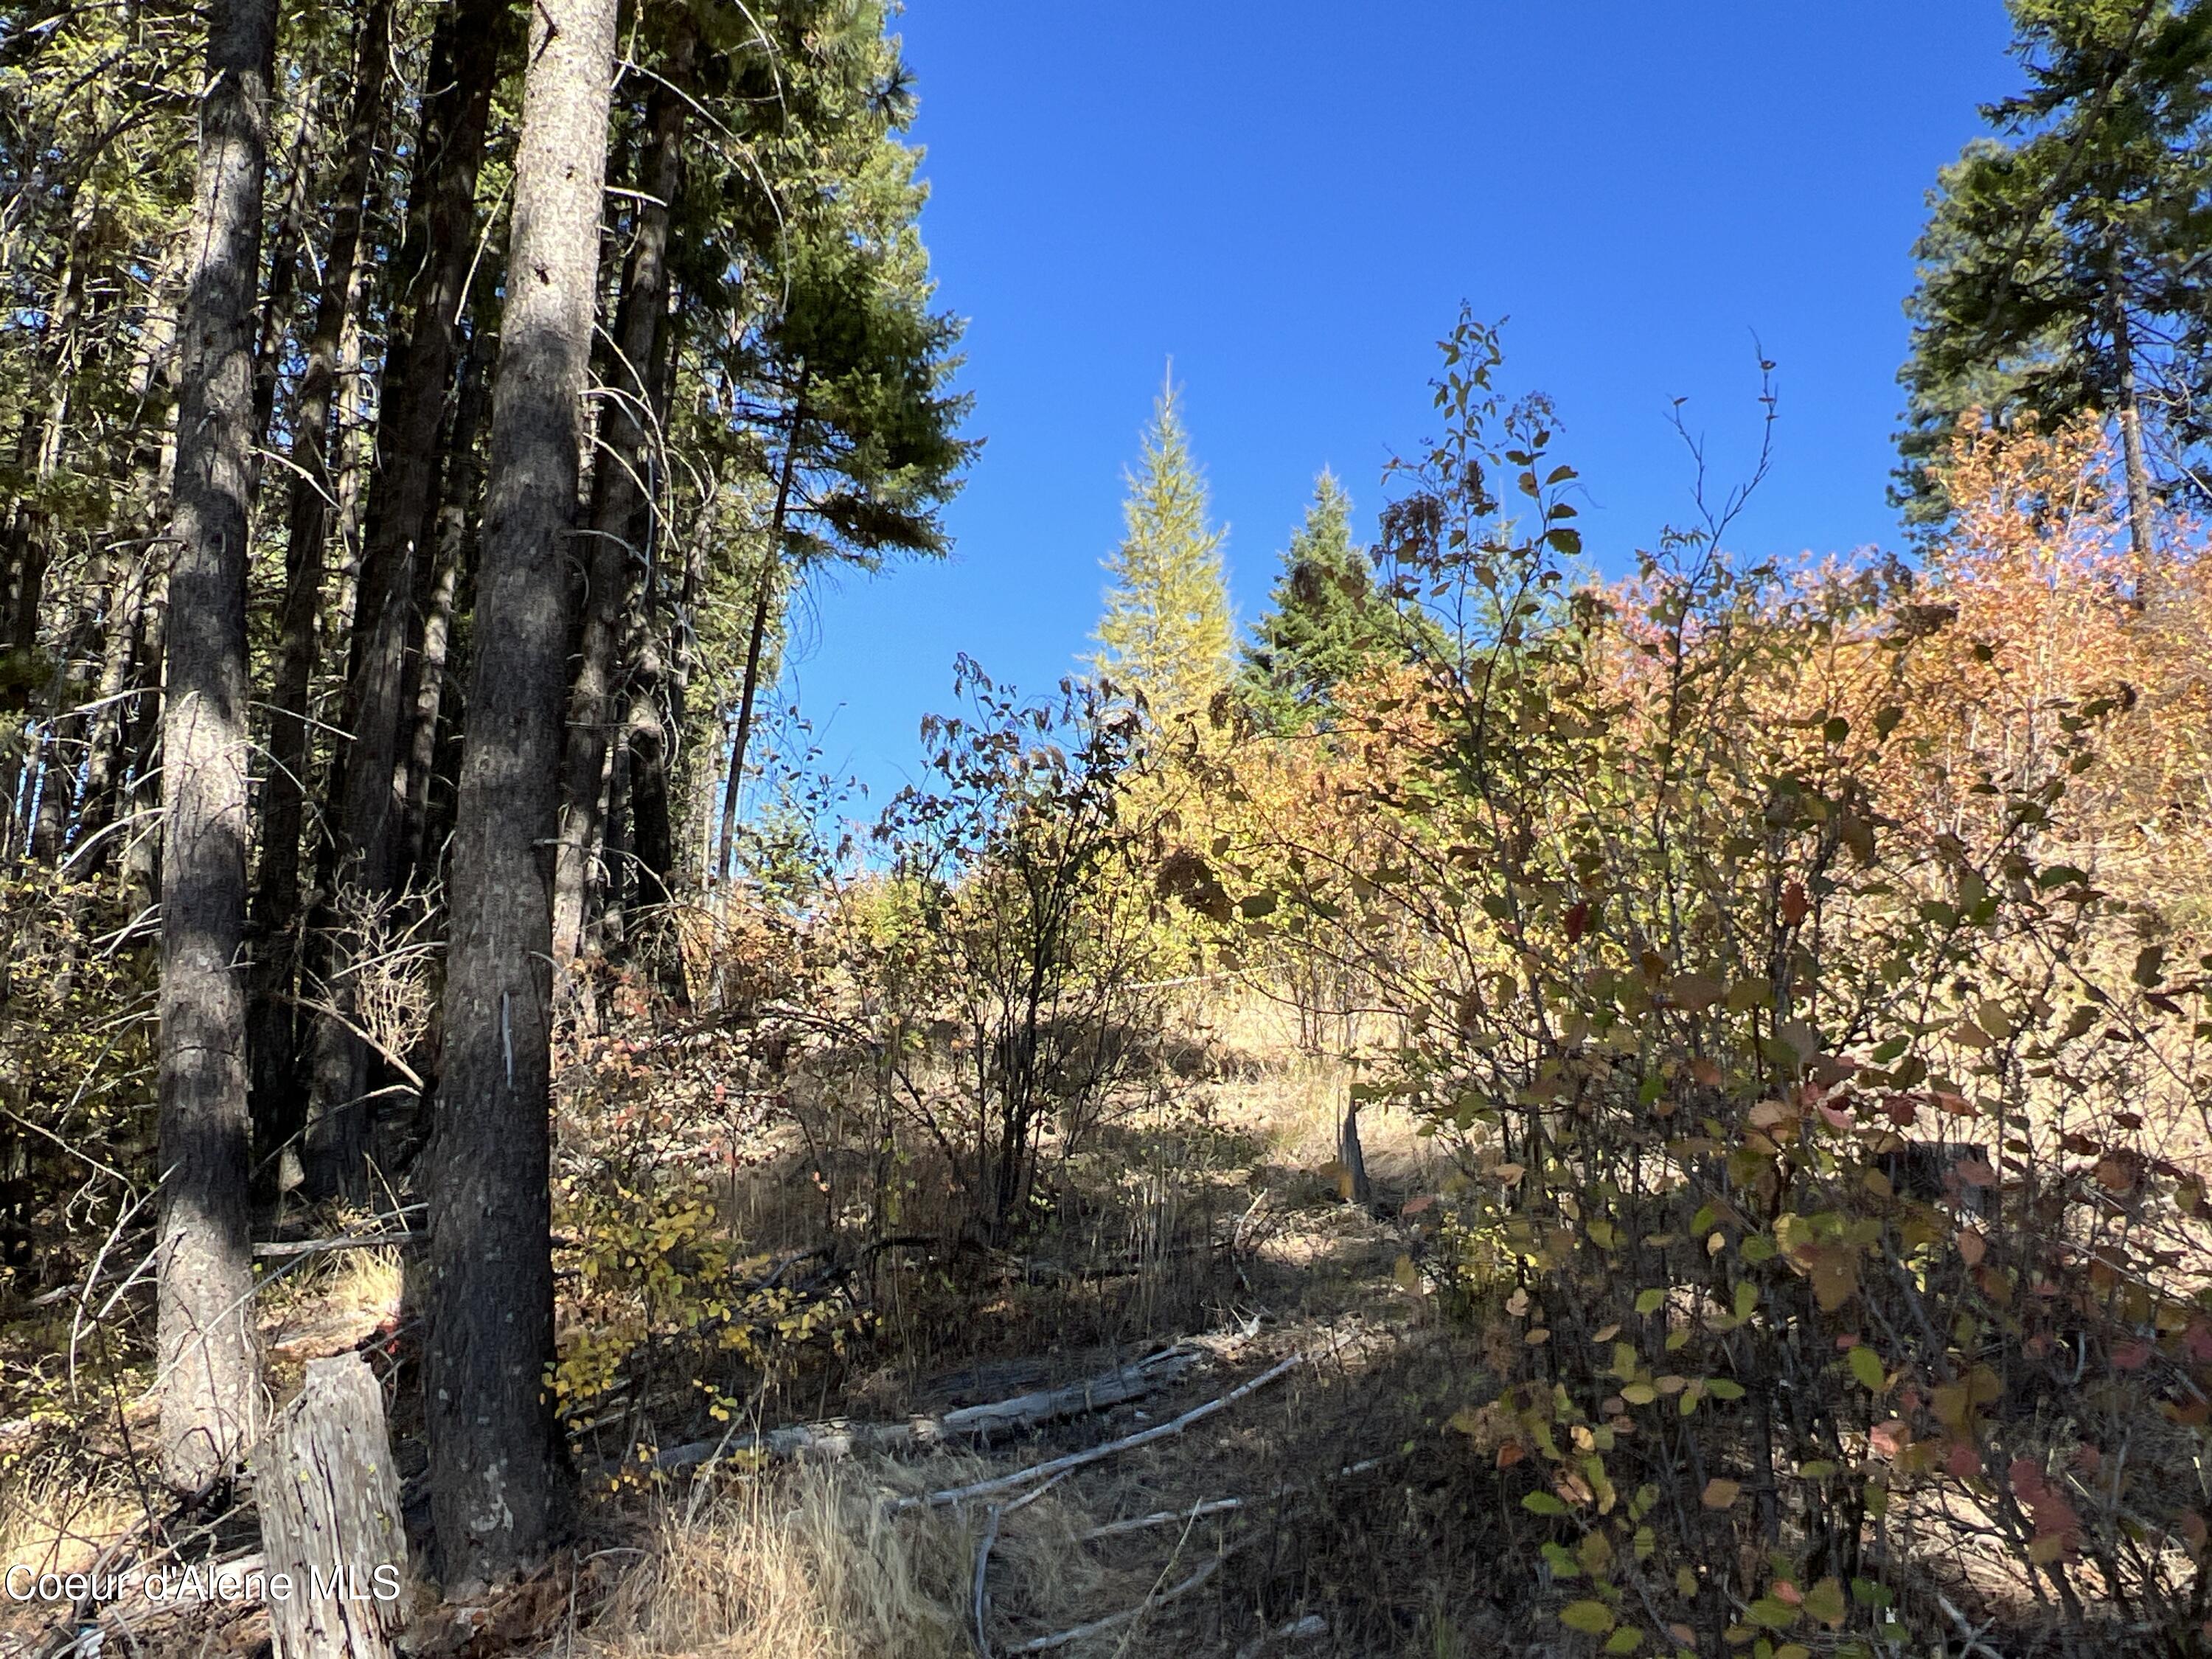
pixel 1824 1601
pixel 1866 1366
pixel 1542 1502
pixel 1649 1301
pixel 1773 1613
pixel 1626 1640
pixel 1591 1617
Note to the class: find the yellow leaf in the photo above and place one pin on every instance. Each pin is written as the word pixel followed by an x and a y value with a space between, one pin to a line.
pixel 1719 1494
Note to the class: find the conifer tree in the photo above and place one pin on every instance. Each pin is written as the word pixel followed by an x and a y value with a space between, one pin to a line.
pixel 1166 635
pixel 1326 618
pixel 2059 270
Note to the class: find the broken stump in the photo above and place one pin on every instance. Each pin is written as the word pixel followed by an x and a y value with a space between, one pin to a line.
pixel 329 1497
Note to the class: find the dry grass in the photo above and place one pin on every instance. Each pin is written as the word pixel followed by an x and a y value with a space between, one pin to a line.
pixel 56 1518
pixel 804 1565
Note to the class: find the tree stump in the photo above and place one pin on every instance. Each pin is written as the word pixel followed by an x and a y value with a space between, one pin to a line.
pixel 329 1497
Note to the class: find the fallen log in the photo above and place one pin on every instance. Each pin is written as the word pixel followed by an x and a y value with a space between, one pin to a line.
pixel 1077 1460
pixel 843 1438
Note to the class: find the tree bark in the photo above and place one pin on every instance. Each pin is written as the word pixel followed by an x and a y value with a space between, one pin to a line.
pixel 210 1405
pixel 369 791
pixel 275 1096
pixel 617 495
pixel 330 1519
pixel 498 1468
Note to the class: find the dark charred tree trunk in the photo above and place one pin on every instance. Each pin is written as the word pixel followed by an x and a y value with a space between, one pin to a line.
pixel 369 791
pixel 276 1096
pixel 620 501
pixel 765 596
pixel 211 1402
pixel 124 622
pixel 498 1465
pixel 439 589
pixel 288 242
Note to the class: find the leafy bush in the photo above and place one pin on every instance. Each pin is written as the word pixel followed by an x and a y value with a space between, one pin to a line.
pixel 1805 1085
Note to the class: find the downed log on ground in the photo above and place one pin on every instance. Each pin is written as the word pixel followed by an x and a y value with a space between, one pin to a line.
pixel 841 1437
pixel 1058 1465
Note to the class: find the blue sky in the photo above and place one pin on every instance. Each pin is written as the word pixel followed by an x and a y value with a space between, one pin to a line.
pixel 1291 200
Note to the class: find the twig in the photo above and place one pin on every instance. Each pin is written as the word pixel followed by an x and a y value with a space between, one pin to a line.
pixel 1061 1638
pixel 1166 1518
pixel 1212 1506
pixel 982 1565
pixel 1077 1460
pixel 1972 1635
pixel 340 1242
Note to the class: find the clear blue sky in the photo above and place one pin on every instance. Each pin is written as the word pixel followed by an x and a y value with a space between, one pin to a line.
pixel 1292 199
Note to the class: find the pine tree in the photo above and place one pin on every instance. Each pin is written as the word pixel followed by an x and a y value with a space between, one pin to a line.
pixel 2059 270
pixel 1326 619
pixel 497 1458
pixel 1166 635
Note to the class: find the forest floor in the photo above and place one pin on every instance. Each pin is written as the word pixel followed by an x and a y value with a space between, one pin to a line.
pixel 1316 1504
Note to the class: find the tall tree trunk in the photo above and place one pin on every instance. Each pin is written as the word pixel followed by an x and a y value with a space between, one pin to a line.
pixel 651 843
pixel 124 622
pixel 618 495
pixel 142 847
pixel 210 1405
pixel 442 584
pixel 764 592
pixel 2142 522
pixel 287 244
pixel 368 791
pixel 276 910
pixel 498 1468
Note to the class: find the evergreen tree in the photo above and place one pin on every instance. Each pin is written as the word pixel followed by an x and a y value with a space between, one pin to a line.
pixel 1325 620
pixel 2058 271
pixel 1166 634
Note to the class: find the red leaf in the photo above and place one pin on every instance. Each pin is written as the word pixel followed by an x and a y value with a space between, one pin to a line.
pixel 2132 1355
pixel 1795 906
pixel 2054 1514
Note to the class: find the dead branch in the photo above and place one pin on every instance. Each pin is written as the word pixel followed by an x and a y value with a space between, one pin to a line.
pixel 1213 1506
pixel 982 1565
pixel 1061 1638
pixel 1077 1460
pixel 337 1241
pixel 840 1437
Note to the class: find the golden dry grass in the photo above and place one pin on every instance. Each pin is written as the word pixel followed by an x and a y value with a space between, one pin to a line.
pixel 56 1518
pixel 803 1565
